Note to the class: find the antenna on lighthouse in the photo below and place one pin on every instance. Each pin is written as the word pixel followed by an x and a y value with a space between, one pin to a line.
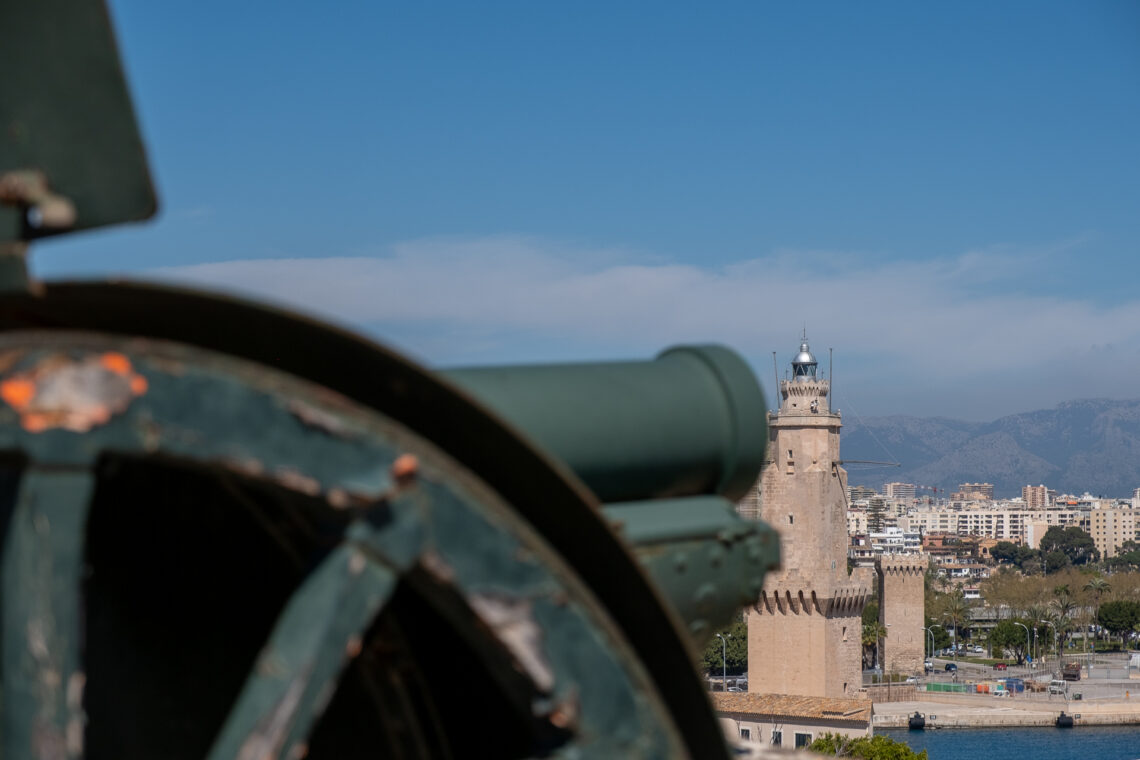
pixel 776 374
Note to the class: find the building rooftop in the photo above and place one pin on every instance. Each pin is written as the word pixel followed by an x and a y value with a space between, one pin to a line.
pixel 855 709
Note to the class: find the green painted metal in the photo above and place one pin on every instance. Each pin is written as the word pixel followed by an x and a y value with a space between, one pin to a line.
pixel 43 565
pixel 232 532
pixel 65 111
pixel 318 633
pixel 693 421
pixel 705 558
pixel 571 681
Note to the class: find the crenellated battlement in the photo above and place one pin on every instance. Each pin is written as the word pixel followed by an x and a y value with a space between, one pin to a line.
pixel 906 564
pixel 845 600
pixel 902 610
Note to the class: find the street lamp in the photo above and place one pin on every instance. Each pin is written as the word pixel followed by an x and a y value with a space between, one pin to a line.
pixel 723 663
pixel 883 663
pixel 1051 625
pixel 1026 634
pixel 930 630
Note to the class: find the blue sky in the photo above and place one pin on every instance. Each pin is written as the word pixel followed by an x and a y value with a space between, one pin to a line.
pixel 948 195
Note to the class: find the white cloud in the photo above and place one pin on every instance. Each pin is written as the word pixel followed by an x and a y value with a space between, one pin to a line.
pixel 904 330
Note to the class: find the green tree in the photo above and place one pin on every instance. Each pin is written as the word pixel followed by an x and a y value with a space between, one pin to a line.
pixel 1007 552
pixel 1007 635
pixel 735 650
pixel 1074 543
pixel 1127 557
pixel 1056 561
pixel 866 747
pixel 1119 617
pixel 1004 551
pixel 871 612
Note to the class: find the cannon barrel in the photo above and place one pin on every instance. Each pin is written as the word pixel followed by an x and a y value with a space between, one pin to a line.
pixel 692 421
pixel 229 531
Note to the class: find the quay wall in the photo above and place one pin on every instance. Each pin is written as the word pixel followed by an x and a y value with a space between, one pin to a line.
pixel 963 711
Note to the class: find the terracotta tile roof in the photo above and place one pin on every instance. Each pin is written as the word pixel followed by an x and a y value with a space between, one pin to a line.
pixel 820 708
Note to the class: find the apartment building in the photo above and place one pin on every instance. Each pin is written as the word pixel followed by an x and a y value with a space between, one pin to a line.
pixel 974 492
pixel 896 541
pixel 1002 524
pixel 1110 528
pixel 899 491
pixel 1035 497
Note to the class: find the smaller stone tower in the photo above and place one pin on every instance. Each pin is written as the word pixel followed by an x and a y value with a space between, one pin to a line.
pixel 902 608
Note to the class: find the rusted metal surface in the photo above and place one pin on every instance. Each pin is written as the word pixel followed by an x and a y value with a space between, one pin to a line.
pixel 28 191
pixel 71 394
pixel 412 517
pixel 541 493
pixel 232 532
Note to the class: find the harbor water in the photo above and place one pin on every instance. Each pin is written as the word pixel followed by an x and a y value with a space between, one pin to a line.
pixel 1082 743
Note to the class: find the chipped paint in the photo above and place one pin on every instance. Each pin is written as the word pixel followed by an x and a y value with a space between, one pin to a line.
pixel 61 392
pixel 512 622
pixel 318 418
pixel 265 742
pixel 297 481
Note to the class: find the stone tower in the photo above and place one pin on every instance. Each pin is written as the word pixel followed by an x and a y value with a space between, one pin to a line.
pixel 805 632
pixel 902 608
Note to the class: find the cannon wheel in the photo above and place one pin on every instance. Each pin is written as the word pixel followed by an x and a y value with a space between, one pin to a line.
pixel 234 532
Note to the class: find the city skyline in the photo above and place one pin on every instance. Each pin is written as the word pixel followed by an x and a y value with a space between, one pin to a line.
pixel 943 195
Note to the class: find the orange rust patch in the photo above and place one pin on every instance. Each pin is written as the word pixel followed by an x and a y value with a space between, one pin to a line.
pixel 405 467
pixel 72 394
pixel 116 362
pixel 18 392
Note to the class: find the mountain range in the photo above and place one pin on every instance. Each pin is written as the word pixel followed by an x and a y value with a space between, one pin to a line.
pixel 1090 445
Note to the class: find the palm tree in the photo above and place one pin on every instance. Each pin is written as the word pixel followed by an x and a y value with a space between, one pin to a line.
pixel 1099 586
pixel 873 633
pixel 1063 605
pixel 957 612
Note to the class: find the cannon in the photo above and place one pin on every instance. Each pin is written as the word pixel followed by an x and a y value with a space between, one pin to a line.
pixel 230 531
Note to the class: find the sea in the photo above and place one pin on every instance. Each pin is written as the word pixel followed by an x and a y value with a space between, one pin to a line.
pixel 1079 743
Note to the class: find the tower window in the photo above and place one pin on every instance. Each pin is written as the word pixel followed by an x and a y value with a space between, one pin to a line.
pixel 791 519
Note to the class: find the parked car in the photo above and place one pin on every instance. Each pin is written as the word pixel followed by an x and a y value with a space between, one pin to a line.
pixel 928 666
pixel 951 667
pixel 1000 666
pixel 912 679
pixel 978 649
